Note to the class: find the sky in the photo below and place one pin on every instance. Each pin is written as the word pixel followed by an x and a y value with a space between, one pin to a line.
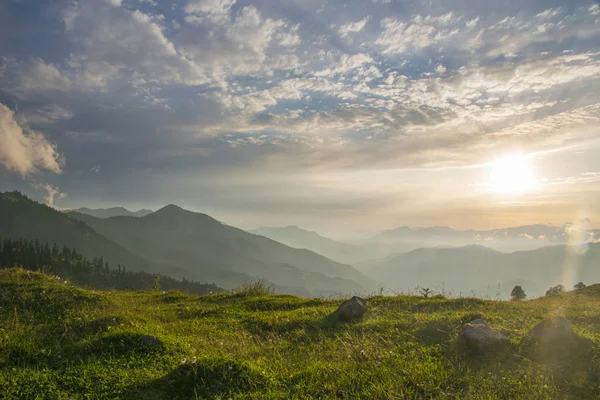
pixel 331 115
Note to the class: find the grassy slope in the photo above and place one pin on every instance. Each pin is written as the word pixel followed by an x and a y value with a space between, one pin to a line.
pixel 63 342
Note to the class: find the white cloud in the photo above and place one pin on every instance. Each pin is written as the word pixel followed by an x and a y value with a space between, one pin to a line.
pixel 24 152
pixel 417 33
pixel 42 76
pixel 118 43
pixel 352 27
pixel 215 11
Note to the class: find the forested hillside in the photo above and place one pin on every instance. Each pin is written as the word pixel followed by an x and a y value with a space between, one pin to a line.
pixel 68 265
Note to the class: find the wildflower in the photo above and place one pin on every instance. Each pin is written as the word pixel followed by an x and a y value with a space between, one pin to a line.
pixel 183 360
pixel 195 359
pixel 230 367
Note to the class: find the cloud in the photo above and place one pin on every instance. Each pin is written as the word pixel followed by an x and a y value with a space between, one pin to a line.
pixel 215 11
pixel 25 152
pixel 117 43
pixel 417 33
pixel 48 114
pixel 52 193
pixel 211 85
pixel 352 27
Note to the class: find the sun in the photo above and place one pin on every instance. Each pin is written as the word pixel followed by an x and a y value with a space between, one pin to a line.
pixel 512 175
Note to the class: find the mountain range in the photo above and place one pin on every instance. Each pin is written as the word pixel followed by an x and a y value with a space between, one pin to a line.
pixel 482 271
pixel 181 243
pixel 226 255
pixel 111 212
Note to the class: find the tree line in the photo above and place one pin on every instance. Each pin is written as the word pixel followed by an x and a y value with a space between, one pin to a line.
pixel 519 294
pixel 71 266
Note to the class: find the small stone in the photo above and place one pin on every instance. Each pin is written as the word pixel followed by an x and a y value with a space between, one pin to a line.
pixel 552 329
pixel 354 308
pixel 480 335
pixel 149 340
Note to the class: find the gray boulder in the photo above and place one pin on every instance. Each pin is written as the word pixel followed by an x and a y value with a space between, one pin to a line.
pixel 479 335
pixel 354 308
pixel 149 340
pixel 552 329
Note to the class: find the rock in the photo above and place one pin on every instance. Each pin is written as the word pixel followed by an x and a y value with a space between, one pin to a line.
pixel 352 309
pixel 479 335
pixel 552 329
pixel 149 340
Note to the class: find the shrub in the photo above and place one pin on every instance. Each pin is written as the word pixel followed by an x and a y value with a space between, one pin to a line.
pixel 578 286
pixel 555 290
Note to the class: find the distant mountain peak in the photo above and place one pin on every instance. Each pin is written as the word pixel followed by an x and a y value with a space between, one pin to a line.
pixel 170 208
pixel 110 212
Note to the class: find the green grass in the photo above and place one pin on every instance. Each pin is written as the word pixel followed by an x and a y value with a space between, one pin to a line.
pixel 61 342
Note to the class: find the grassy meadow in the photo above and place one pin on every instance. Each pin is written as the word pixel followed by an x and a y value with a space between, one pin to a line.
pixel 63 342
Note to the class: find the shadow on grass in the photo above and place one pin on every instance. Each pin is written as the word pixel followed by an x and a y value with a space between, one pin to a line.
pixel 115 346
pixel 219 377
pixel 73 346
pixel 573 361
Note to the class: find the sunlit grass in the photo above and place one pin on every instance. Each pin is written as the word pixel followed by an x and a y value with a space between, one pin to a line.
pixel 58 341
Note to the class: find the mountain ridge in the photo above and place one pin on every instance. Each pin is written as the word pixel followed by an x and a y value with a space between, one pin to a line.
pixel 110 212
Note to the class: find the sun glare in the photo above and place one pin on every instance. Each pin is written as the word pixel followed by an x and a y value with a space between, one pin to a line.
pixel 512 175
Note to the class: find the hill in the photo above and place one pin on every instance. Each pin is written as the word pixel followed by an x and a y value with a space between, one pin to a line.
pixel 60 341
pixel 111 212
pixel 67 265
pixel 23 218
pixel 226 255
pixel 479 270
pixel 294 236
